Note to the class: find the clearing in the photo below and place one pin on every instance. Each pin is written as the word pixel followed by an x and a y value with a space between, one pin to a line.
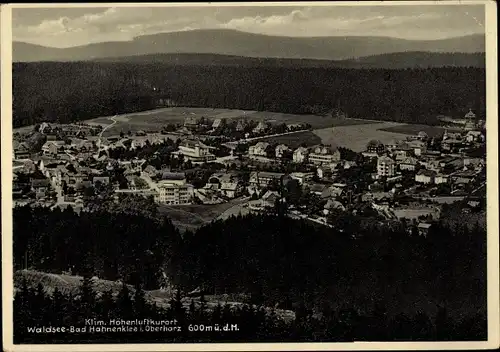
pixel 156 119
pixel 294 140
pixel 432 131
pixel 356 137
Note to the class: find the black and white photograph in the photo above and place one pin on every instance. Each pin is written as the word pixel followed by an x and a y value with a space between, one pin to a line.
pixel 216 175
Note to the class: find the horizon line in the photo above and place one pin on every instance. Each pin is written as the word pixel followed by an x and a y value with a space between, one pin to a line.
pixel 250 33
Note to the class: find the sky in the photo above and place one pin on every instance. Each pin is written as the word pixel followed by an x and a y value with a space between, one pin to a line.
pixel 67 27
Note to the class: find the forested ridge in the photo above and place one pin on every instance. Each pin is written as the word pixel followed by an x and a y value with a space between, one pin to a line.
pixel 401 60
pixel 278 262
pixel 66 92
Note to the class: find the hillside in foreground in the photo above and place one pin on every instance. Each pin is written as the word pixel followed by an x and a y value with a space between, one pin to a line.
pixel 70 285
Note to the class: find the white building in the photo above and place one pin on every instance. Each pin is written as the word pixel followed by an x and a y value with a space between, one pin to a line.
pixel 263 179
pixel 261 127
pixel 409 164
pixel 422 136
pixel 441 178
pixel 302 177
pixel 419 147
pixel 385 167
pixel 281 149
pixel 258 149
pixel 425 176
pixel 217 123
pixel 173 190
pixel 300 155
pixel 195 151
pixel 230 189
pixel 324 154
pixel 474 136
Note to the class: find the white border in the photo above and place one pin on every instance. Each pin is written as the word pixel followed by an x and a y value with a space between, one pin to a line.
pixel 492 195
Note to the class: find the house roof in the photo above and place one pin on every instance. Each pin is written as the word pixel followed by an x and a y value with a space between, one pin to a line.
pixel 326 148
pixel 318 187
pixel 410 161
pixel 270 194
pixel 301 150
pixel 282 146
pixel 150 168
pixel 470 114
pixel 99 178
pixel 216 122
pixel 334 204
pixel 192 120
pixel 374 143
pixel 265 174
pixel 424 225
pixel 229 186
pixel 385 159
pixel 425 172
pixel 40 183
pixel 262 145
pixel 173 176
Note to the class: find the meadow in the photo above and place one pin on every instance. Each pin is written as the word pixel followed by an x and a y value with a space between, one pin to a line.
pixel 432 131
pixel 154 120
pixel 357 137
pixel 294 140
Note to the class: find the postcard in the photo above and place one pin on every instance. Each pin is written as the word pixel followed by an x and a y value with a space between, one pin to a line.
pixel 250 176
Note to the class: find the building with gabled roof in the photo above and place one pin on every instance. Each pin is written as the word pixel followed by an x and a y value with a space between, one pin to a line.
pixel 259 149
pixel 425 176
pixel 385 166
pixel 324 154
pixel 409 164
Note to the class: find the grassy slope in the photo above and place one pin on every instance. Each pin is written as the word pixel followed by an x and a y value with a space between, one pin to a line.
pixel 70 284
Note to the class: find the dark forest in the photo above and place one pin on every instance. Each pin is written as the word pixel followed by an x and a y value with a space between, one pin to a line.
pixel 68 92
pixel 278 262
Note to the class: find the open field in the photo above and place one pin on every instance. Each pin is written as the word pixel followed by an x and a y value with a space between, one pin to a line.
pixel 432 131
pixel 314 120
pixel 156 119
pixel 356 137
pixel 294 140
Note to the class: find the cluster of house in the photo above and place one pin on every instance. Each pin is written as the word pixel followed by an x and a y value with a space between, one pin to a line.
pixel 80 160
pixel 203 125
pixel 430 159
pixel 319 155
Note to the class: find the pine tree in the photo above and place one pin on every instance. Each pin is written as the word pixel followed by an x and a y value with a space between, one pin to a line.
pixel 124 303
pixel 107 305
pixel 57 307
pixel 140 304
pixel 39 307
pixel 192 311
pixel 87 298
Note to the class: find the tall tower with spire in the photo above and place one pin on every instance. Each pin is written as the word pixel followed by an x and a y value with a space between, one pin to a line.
pixel 470 120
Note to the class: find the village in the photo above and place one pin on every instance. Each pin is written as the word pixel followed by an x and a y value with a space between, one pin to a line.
pixel 211 162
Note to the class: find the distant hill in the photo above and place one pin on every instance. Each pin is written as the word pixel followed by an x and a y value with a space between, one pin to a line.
pixel 385 61
pixel 236 43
